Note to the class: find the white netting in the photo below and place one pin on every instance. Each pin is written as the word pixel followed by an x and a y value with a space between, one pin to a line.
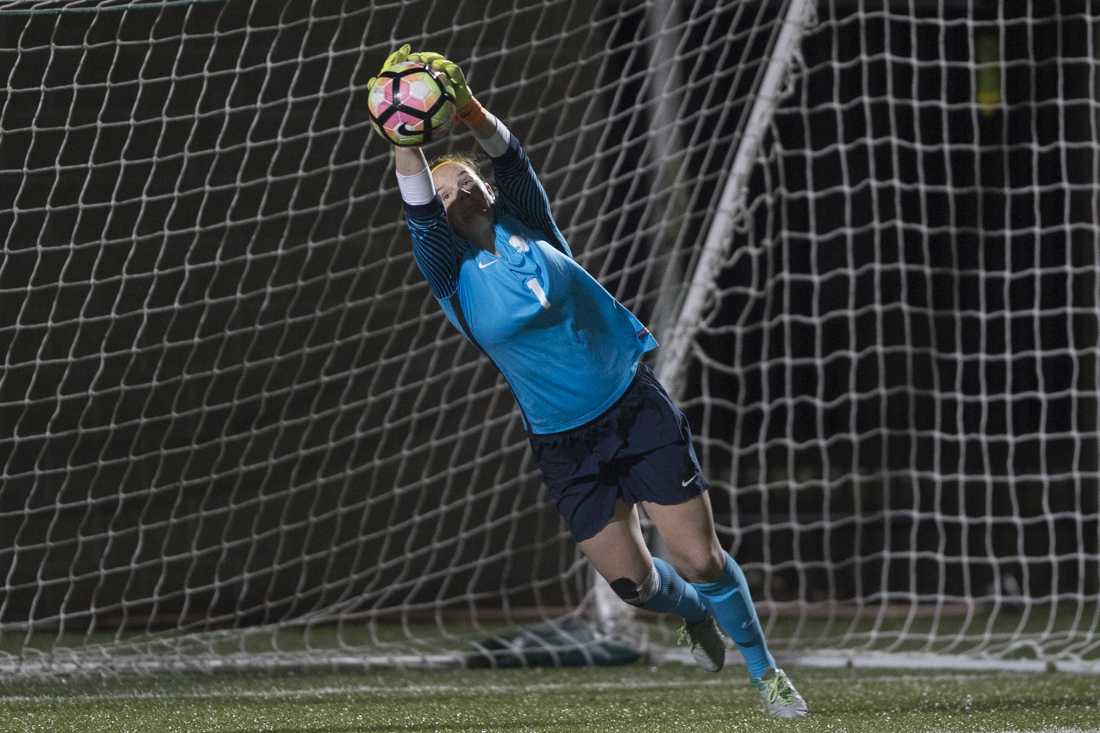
pixel 896 378
pixel 235 429
pixel 235 424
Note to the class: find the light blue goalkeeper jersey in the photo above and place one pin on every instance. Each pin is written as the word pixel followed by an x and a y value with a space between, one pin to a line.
pixel 566 346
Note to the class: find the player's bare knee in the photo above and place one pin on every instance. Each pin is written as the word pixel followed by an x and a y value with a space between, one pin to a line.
pixel 634 593
pixel 703 566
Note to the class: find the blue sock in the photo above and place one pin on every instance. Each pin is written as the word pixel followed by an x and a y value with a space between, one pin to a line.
pixel 675 595
pixel 728 598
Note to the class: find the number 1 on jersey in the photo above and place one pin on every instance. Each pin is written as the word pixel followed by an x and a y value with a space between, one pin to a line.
pixel 535 288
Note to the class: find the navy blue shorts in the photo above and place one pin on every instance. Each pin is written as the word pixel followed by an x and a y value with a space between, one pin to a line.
pixel 638 450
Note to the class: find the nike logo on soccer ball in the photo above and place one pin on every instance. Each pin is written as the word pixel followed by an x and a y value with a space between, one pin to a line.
pixel 403 129
pixel 483 265
pixel 685 483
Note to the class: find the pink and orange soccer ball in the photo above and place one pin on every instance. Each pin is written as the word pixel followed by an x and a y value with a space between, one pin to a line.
pixel 410 104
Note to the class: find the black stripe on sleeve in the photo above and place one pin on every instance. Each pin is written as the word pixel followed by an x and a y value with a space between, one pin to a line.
pixel 437 252
pixel 520 186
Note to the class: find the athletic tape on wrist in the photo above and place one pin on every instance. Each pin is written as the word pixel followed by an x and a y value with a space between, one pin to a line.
pixel 416 188
pixel 472 113
pixel 496 143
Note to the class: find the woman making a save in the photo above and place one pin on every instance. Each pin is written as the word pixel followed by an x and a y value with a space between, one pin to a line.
pixel 605 434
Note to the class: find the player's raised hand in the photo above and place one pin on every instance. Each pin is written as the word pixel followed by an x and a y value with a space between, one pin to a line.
pixel 401 54
pixel 451 70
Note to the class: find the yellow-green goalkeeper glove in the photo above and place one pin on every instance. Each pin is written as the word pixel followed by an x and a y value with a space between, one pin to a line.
pixel 401 54
pixel 466 107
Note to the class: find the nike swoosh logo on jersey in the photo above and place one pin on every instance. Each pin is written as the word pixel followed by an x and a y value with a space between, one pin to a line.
pixel 685 483
pixel 483 265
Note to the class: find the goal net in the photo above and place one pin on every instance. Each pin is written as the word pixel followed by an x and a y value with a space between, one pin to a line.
pixel 895 371
pixel 236 431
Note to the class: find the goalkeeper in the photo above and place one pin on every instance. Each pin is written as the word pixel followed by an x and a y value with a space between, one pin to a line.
pixel 604 432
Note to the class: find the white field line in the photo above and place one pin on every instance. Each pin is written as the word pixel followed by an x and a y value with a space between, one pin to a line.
pixel 1052 730
pixel 470 690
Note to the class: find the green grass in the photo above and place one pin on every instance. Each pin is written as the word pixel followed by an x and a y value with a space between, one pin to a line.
pixel 591 700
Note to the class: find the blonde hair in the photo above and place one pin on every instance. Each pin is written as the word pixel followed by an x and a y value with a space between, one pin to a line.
pixel 459 158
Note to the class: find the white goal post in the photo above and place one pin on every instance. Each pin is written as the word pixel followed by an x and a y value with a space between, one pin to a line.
pixel 236 431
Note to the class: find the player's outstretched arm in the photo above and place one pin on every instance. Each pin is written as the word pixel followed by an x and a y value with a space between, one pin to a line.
pixel 436 252
pixel 515 176
pixel 435 249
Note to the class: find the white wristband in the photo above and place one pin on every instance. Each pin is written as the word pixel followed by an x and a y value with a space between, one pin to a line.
pixel 496 143
pixel 417 188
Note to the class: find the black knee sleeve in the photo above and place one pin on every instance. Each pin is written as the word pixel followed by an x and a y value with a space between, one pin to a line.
pixel 627 589
pixel 633 593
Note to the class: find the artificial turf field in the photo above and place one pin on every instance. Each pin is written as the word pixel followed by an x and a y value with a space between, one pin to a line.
pixel 591 700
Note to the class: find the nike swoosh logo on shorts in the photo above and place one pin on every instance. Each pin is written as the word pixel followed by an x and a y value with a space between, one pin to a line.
pixel 483 265
pixel 685 483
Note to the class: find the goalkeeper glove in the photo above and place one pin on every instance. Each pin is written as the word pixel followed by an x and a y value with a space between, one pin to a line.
pixel 468 109
pixel 401 54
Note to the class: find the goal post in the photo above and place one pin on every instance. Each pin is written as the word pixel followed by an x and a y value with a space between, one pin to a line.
pixel 237 432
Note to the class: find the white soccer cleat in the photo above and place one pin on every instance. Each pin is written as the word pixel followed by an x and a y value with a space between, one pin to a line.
pixel 780 698
pixel 708 646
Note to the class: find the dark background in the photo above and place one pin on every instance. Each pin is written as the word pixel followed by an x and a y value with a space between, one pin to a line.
pixel 227 397
pixel 922 327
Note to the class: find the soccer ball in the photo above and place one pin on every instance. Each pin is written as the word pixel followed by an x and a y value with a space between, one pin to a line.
pixel 410 104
